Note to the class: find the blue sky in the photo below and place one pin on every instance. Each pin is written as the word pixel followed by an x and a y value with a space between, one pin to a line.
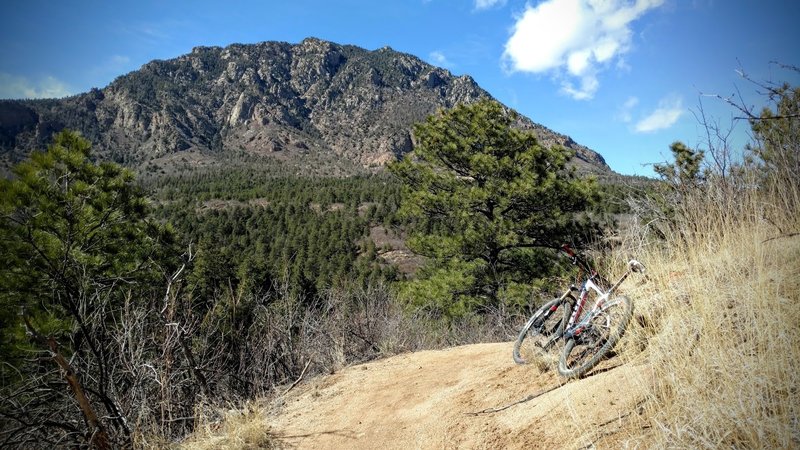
pixel 623 77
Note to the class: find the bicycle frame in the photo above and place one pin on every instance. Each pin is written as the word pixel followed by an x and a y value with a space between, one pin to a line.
pixel 594 328
pixel 573 329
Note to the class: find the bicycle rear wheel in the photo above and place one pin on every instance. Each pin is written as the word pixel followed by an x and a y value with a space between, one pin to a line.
pixel 584 350
pixel 541 330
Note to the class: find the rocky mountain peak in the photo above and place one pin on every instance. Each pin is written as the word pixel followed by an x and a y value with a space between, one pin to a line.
pixel 268 100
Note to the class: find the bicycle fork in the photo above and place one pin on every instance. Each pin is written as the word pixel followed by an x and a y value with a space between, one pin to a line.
pixel 559 334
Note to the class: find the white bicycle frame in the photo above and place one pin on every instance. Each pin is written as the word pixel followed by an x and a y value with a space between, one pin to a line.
pixel 574 329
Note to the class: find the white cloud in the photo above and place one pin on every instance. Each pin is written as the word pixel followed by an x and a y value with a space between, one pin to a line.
pixel 625 111
pixel 438 59
pixel 486 4
pixel 588 87
pixel 12 86
pixel 575 39
pixel 669 110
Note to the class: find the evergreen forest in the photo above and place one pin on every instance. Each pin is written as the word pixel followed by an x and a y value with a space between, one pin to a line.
pixel 252 229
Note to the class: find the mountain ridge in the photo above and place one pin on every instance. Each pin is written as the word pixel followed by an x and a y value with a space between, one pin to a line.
pixel 272 100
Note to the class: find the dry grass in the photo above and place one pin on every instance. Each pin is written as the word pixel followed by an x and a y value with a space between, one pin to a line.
pixel 720 324
pixel 717 322
pixel 233 430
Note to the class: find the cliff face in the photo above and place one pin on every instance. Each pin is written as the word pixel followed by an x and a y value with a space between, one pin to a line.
pixel 270 99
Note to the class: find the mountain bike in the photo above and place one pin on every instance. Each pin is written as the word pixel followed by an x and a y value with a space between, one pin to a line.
pixel 588 333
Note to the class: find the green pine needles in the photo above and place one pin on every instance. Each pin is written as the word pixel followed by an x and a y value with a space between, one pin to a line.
pixel 485 202
pixel 75 236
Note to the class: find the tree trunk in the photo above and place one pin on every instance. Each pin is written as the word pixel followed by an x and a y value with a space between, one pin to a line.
pixel 99 437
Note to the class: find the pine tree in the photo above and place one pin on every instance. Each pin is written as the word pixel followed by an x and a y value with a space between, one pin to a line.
pixel 483 199
pixel 76 242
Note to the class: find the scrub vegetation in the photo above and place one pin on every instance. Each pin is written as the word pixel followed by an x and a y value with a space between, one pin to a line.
pixel 133 314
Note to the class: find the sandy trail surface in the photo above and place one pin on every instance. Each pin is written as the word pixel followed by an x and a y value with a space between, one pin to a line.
pixel 464 397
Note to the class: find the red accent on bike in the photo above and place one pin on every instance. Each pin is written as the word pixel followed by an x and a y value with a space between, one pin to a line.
pixel 581 303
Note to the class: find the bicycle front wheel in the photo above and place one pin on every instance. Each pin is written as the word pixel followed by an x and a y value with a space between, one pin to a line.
pixel 541 330
pixel 587 348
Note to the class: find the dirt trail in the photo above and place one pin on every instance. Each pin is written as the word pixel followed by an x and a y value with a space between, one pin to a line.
pixel 465 397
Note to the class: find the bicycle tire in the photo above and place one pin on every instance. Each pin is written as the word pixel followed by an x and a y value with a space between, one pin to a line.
pixel 583 352
pixel 540 324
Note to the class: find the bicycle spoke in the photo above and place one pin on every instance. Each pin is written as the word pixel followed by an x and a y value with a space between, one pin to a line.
pixel 595 340
pixel 541 333
pixel 587 344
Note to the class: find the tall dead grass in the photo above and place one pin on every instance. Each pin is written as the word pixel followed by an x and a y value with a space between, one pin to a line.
pixel 233 429
pixel 719 319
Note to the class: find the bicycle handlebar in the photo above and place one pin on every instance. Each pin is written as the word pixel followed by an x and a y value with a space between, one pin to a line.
pixel 633 265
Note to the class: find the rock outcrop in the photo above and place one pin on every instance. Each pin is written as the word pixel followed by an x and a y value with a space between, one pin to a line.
pixel 270 99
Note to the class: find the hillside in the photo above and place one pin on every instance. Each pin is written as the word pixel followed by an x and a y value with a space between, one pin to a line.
pixel 255 307
pixel 322 107
pixel 709 361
